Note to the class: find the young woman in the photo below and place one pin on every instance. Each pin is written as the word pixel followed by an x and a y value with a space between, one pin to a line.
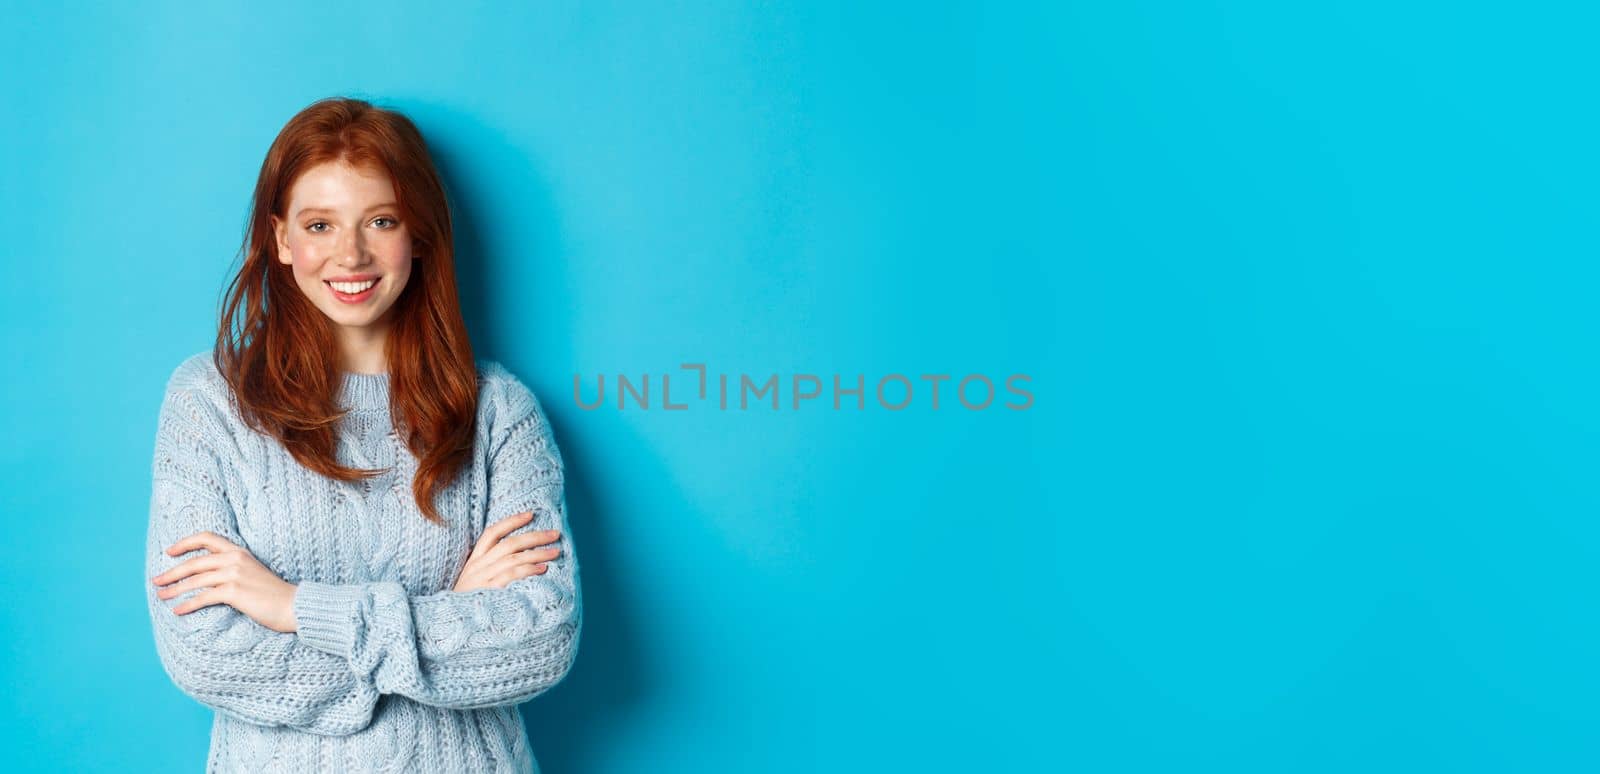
pixel 358 551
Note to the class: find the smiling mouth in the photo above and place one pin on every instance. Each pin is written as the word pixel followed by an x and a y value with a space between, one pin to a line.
pixel 353 292
pixel 352 288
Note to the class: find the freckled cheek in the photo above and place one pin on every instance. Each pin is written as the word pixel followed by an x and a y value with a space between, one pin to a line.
pixel 306 259
pixel 395 253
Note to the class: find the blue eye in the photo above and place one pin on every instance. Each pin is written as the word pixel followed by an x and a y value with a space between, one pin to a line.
pixel 313 227
pixel 390 220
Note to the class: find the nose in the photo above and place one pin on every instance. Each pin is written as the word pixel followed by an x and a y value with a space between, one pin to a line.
pixel 353 249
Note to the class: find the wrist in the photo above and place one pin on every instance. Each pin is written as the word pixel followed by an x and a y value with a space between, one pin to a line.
pixel 294 622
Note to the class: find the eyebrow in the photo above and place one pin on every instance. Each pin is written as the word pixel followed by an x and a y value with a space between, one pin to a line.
pixel 304 210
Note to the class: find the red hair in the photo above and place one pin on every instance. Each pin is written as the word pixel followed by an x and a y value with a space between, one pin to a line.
pixel 278 351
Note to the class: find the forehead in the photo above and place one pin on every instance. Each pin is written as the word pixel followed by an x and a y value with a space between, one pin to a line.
pixel 338 185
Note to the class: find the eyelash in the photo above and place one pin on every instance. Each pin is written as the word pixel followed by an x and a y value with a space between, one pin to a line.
pixel 323 223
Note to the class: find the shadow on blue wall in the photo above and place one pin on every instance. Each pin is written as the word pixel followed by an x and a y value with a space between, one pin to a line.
pixel 610 674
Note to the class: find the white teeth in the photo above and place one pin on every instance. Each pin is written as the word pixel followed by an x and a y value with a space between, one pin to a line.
pixel 353 287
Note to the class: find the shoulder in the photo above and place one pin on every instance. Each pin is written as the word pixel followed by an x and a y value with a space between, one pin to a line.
pixel 508 407
pixel 196 373
pixel 504 393
pixel 196 378
pixel 197 408
pixel 196 388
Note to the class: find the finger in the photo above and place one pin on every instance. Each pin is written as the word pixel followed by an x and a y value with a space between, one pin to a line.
pixel 203 599
pixel 213 578
pixel 505 579
pixel 207 540
pixel 497 530
pixel 521 542
pixel 533 556
pixel 474 573
pixel 491 561
pixel 530 557
pixel 210 541
pixel 190 567
pixel 500 529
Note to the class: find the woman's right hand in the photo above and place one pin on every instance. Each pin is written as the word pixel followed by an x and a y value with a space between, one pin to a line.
pixel 496 561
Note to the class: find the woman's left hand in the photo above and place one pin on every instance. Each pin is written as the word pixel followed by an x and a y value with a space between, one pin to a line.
pixel 235 577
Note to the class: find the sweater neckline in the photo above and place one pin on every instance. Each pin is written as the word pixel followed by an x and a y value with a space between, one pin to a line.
pixel 364 391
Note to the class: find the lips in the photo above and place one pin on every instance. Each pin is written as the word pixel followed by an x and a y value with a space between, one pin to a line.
pixel 355 292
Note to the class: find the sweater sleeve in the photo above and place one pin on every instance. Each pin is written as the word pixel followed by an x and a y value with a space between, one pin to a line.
pixel 216 654
pixel 479 648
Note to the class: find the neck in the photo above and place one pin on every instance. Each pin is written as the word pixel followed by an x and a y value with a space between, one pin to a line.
pixel 361 349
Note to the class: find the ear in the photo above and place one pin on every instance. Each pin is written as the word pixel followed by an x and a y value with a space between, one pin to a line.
pixel 280 233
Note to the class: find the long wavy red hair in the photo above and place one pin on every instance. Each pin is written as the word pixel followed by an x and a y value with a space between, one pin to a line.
pixel 279 353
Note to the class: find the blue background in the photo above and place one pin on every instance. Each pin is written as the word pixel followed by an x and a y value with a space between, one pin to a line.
pixel 1306 296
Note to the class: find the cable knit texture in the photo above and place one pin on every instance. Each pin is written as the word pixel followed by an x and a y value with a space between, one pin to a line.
pixel 390 670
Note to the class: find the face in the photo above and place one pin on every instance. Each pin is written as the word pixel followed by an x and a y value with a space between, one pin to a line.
pixel 342 233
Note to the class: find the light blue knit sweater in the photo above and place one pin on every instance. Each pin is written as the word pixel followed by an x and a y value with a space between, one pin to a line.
pixel 390 670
